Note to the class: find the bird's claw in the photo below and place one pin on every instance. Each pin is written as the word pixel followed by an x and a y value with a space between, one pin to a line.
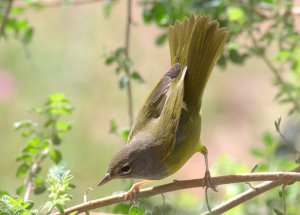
pixel 132 193
pixel 208 182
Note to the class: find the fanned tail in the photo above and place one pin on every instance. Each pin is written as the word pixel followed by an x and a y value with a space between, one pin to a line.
pixel 196 43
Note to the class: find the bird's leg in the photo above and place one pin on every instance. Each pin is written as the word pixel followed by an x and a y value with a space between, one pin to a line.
pixel 134 190
pixel 207 178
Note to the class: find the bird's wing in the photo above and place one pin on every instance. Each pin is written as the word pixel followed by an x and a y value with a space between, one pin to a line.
pixel 155 101
pixel 169 117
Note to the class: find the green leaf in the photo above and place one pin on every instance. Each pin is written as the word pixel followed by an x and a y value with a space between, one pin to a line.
pixel 236 57
pixel 278 211
pixel 57 97
pixel 125 133
pixel 119 52
pixel 2 193
pixel 122 208
pixel 135 210
pixel 127 64
pixel 24 124
pixel 109 60
pixel 49 123
pixel 30 149
pixel 28 205
pixel 123 81
pixel 56 139
pixel 22 170
pixel 20 190
pixel 27 37
pixel 254 168
pixel 55 155
pixel 39 189
pixel 236 14
pixel 222 61
pixel 147 15
pixel 277 124
pixel 160 14
pixel 268 139
pixel 257 153
pixel 60 208
pixel 161 39
pixel 63 126
pixel 24 157
pixel 107 7
pixel 72 186
pixel 113 126
pixel 38 181
pixel 137 77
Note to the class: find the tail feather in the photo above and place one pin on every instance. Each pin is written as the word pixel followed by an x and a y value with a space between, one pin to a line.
pixel 196 43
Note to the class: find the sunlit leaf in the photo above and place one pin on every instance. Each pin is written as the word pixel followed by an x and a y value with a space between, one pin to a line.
pixel 135 210
pixel 22 170
pixel 55 155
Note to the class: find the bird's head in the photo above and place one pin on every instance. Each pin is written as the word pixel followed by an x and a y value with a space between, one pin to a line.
pixel 136 159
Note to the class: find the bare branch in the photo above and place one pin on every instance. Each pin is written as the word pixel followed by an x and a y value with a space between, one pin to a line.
pixel 127 46
pixel 249 194
pixel 5 17
pixel 33 169
pixel 277 179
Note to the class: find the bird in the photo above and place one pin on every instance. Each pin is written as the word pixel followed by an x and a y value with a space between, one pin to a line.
pixel 166 131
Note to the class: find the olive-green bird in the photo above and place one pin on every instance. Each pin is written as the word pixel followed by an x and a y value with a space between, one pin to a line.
pixel 166 132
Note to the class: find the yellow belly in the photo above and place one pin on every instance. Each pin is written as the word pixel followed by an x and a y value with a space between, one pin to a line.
pixel 187 144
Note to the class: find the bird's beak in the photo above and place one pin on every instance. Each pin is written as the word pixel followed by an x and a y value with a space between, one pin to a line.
pixel 106 179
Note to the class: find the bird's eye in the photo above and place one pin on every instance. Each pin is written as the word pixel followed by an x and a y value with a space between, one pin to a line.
pixel 125 169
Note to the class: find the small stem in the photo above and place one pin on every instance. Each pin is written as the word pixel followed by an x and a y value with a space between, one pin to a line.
pixel 5 17
pixel 247 195
pixel 283 199
pixel 33 169
pixel 127 45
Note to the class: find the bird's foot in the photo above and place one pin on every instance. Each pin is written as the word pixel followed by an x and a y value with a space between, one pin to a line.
pixel 132 193
pixel 208 182
pixel 134 190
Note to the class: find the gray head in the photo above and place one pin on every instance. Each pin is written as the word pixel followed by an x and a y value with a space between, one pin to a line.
pixel 136 159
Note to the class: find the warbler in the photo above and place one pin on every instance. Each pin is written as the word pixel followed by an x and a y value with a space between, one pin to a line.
pixel 166 131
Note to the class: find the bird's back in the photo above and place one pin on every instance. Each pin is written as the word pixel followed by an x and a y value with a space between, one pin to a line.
pixel 195 43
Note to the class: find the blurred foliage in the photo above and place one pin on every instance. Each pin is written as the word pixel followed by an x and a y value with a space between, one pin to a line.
pixel 263 29
pixel 123 64
pixel 59 184
pixel 42 142
pixel 268 25
pixel 278 200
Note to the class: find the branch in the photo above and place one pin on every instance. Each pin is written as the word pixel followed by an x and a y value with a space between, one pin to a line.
pixel 248 194
pixel 5 17
pixel 33 169
pixel 127 45
pixel 59 3
pixel 277 179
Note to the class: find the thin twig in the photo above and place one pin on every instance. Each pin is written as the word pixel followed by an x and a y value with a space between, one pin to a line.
pixel 127 46
pixel 249 194
pixel 33 169
pixel 277 179
pixel 54 4
pixel 283 198
pixel 5 17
